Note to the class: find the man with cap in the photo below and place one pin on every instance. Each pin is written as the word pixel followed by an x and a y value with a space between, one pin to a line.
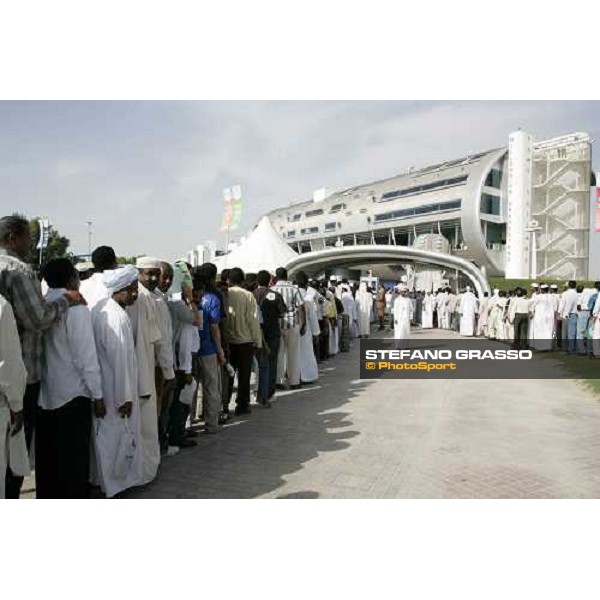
pixel 557 331
pixel 147 336
pixel 569 314
pixel 403 313
pixel 534 291
pixel 117 434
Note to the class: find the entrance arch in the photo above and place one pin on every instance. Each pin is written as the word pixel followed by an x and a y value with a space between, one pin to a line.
pixel 314 262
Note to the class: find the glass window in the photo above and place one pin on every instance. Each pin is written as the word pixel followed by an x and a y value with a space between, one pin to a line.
pixel 296 217
pixel 336 208
pixel 329 226
pixel 291 233
pixel 426 187
pixel 314 213
pixel 419 210
pixel 307 230
pixel 494 179
pixel 490 205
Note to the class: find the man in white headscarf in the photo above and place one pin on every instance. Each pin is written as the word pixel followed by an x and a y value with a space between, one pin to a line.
pixel 364 304
pixel 482 321
pixel 403 313
pixel 468 310
pixel 428 305
pixel 117 435
pixel 495 311
pixel 147 335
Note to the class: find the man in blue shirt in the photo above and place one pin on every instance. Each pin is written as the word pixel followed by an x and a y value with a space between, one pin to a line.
pixel 211 352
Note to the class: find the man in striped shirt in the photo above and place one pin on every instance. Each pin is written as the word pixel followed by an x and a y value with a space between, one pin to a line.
pixel 20 287
pixel 293 325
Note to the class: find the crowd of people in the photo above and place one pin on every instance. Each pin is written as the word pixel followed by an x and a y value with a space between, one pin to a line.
pixel 106 372
pixel 541 318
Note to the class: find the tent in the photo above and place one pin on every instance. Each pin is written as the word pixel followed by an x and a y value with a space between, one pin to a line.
pixel 263 248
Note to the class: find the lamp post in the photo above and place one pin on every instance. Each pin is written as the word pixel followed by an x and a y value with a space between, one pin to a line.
pixel 89 224
pixel 533 228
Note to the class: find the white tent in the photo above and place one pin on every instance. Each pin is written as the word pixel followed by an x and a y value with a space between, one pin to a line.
pixel 262 248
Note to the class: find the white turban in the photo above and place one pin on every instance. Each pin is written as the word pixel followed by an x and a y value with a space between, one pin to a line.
pixel 401 287
pixel 120 278
pixel 147 262
pixel 535 285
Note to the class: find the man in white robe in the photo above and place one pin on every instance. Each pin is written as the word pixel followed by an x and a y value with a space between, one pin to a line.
pixel 482 321
pixel 13 379
pixel 350 309
pixel 535 293
pixel 442 309
pixel 403 313
pixel 364 305
pixel 146 332
pixel 495 316
pixel 468 310
pixel 309 371
pixel 428 306
pixel 542 321
pixel 117 437
pixel 92 288
pixel 595 316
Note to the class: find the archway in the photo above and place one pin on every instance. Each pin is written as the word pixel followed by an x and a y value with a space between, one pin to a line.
pixel 314 262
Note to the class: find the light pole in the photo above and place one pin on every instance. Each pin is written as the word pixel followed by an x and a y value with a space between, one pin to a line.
pixel 533 228
pixel 89 224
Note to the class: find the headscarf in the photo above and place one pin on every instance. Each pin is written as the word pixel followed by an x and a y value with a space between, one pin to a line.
pixel 120 278
pixel 147 262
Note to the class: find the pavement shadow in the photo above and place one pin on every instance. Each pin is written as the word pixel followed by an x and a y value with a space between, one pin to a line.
pixel 254 454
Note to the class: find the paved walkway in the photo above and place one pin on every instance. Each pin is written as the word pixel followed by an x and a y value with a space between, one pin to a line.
pixel 352 438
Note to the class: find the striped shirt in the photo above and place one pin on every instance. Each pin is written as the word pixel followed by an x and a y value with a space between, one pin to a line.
pixel 20 287
pixel 293 301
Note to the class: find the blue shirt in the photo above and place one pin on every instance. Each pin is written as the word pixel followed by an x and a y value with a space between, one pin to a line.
pixel 211 313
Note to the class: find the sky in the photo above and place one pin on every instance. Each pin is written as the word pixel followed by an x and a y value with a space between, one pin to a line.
pixel 150 174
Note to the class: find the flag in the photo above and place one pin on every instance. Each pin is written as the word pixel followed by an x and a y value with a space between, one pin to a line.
pixel 597 228
pixel 232 215
pixel 44 226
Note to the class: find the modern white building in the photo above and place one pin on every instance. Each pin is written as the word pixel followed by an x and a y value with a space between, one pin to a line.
pixel 520 211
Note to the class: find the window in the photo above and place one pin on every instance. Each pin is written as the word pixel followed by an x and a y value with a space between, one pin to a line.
pixel 418 211
pixel 426 187
pixel 494 178
pixel 308 230
pixel 314 213
pixel 295 218
pixel 329 226
pixel 490 205
pixel 362 211
pixel 337 208
pixel 291 233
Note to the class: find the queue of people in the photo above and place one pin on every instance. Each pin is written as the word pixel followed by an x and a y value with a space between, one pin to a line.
pixel 109 372
pixel 541 318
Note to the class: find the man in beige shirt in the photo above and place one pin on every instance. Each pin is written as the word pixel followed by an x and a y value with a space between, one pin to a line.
pixel 244 334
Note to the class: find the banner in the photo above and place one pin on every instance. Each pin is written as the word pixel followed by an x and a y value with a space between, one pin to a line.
pixel 597 209
pixel 44 226
pixel 232 215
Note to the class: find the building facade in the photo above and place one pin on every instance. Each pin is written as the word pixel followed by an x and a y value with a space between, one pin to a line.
pixel 517 211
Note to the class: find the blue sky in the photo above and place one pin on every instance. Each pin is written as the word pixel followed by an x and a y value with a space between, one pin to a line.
pixel 150 174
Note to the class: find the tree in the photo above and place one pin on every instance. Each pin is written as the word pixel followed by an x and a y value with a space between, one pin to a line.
pixel 57 244
pixel 126 260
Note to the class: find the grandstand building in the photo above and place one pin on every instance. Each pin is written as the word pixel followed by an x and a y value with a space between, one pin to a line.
pixel 518 211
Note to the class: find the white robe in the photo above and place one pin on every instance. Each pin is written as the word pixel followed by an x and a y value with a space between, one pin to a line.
pixel 542 323
pixel 364 305
pixel 468 310
pixel 596 329
pixel 93 290
pixel 350 310
pixel 118 365
pixel 13 379
pixel 403 312
pixel 146 333
pixel 482 322
pixel 309 371
pixel 427 312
